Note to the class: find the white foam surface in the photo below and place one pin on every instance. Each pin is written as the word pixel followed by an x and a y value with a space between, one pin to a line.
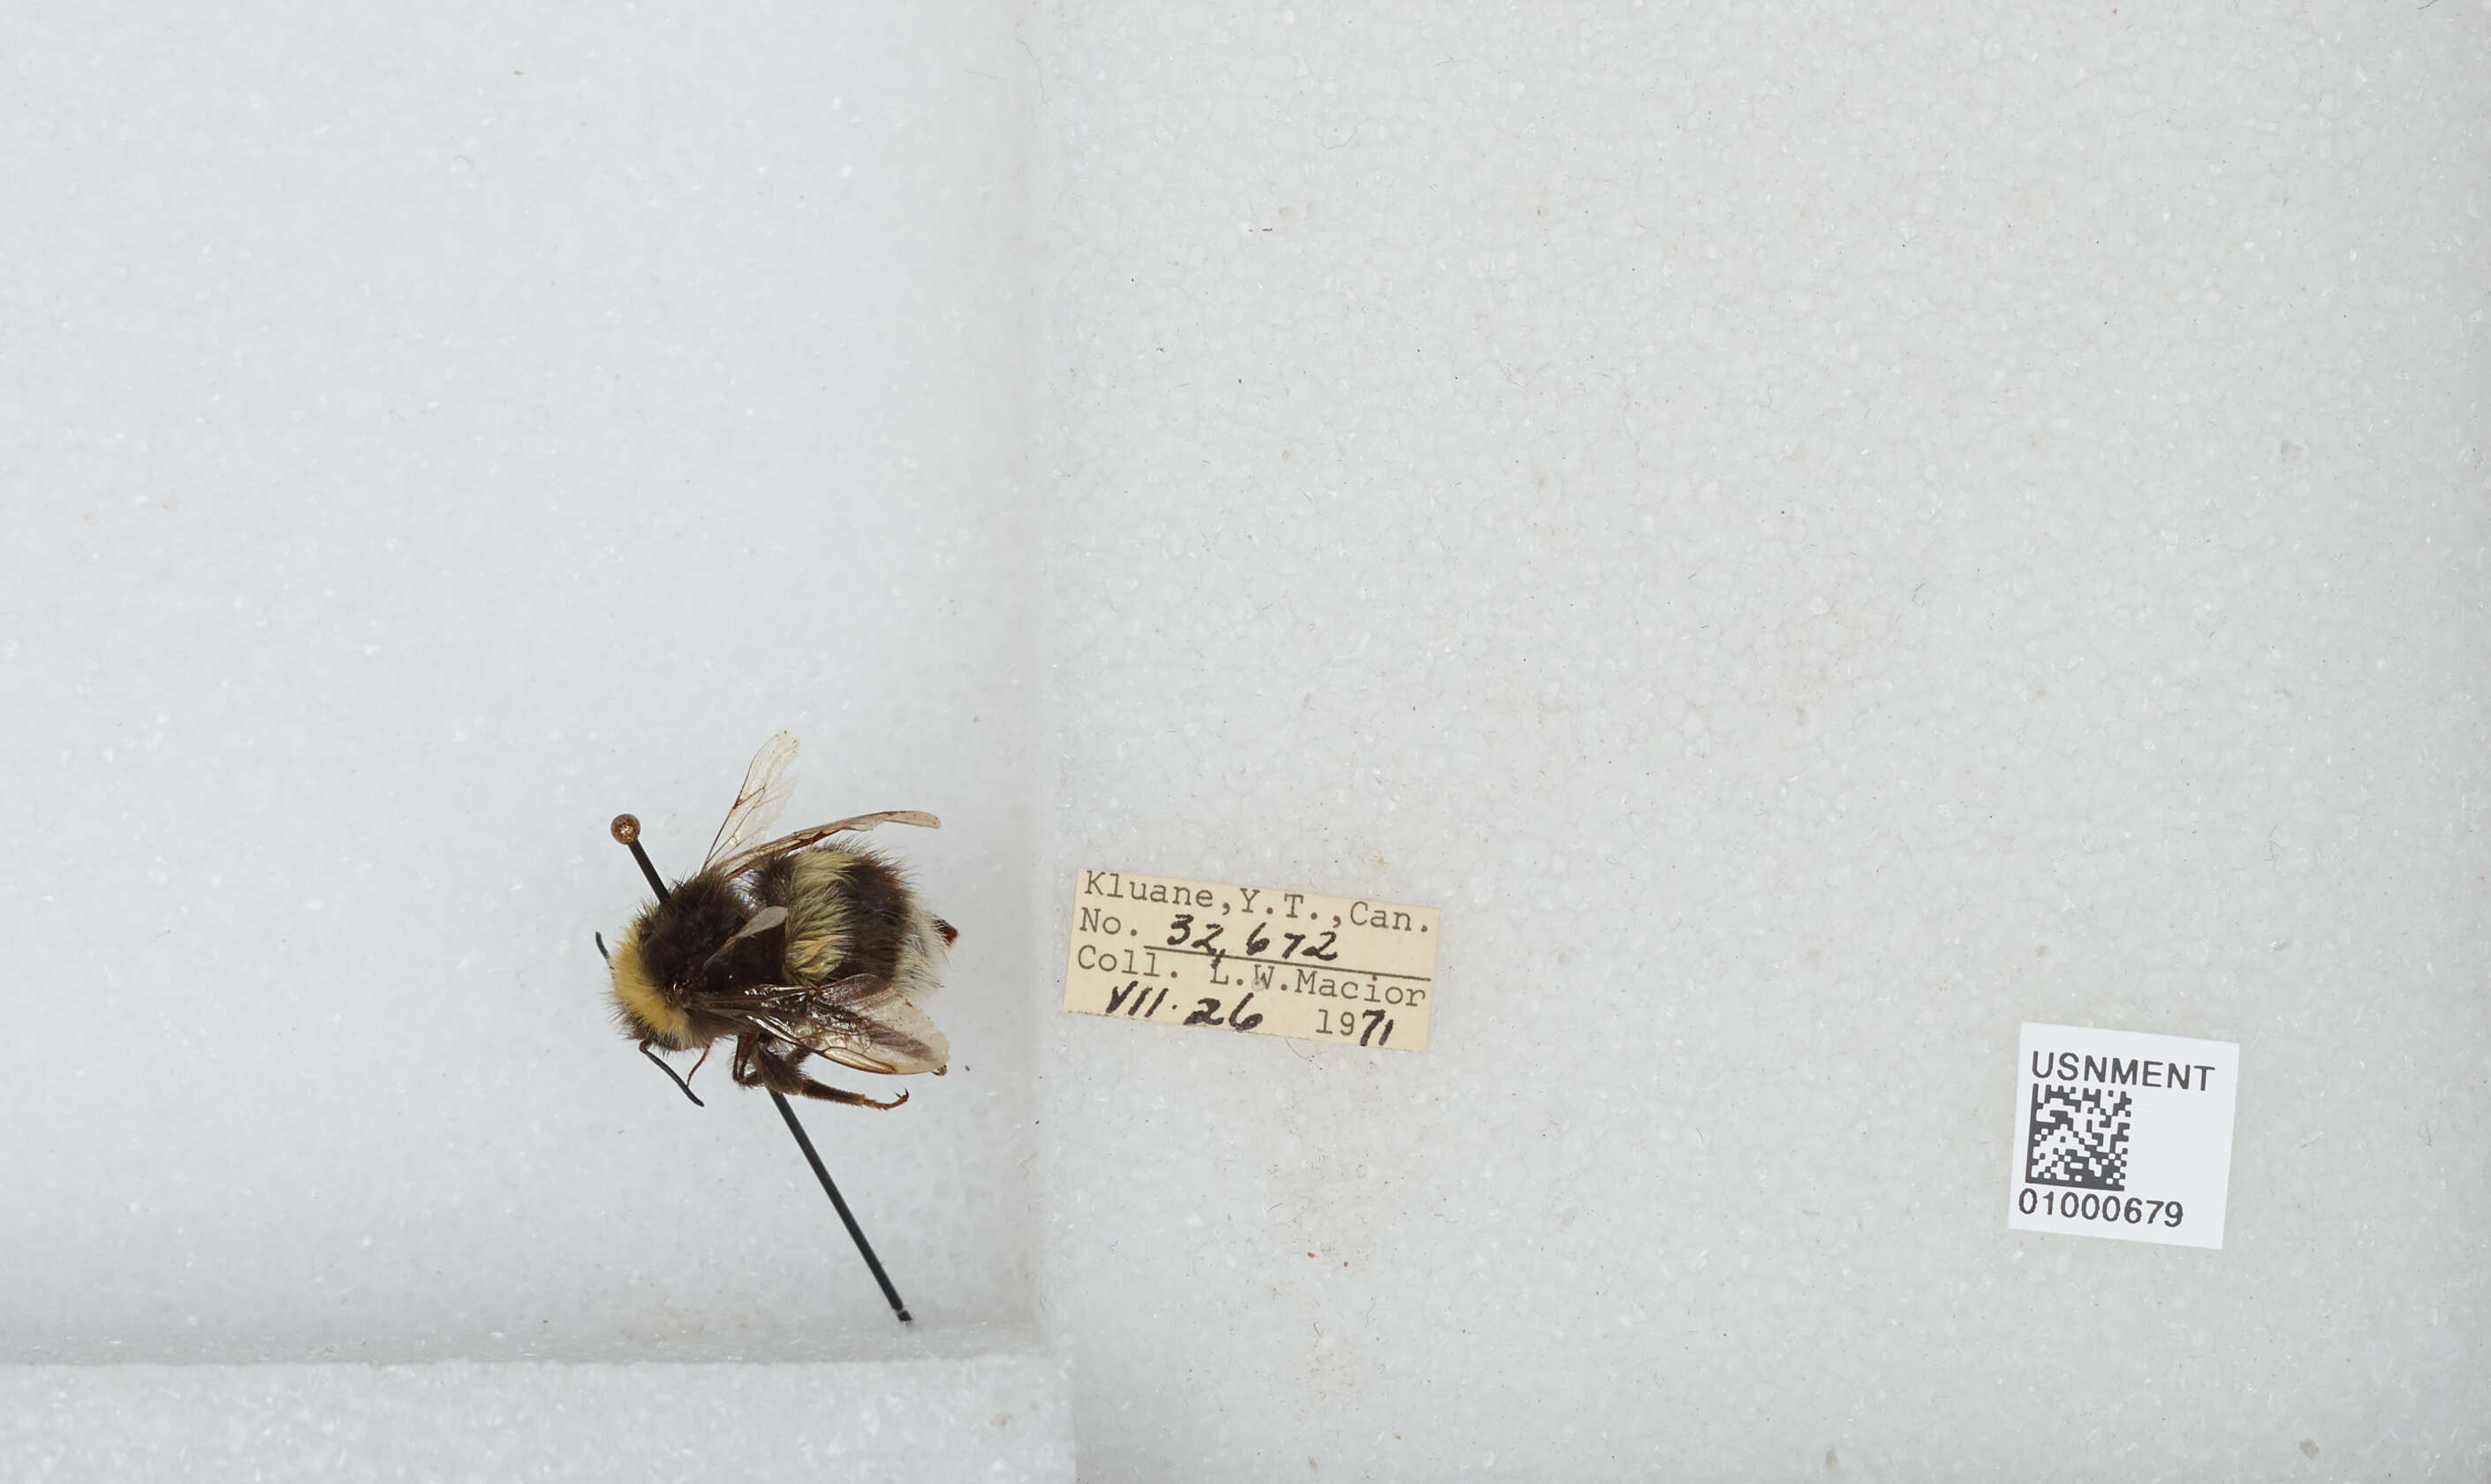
pixel 1816 535
pixel 992 1420
pixel 427 435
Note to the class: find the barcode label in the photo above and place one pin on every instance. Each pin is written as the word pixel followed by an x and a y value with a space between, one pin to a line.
pixel 2078 1137
pixel 2123 1134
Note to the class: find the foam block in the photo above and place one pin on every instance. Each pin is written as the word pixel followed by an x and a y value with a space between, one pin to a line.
pixel 1815 534
pixel 428 437
pixel 996 1417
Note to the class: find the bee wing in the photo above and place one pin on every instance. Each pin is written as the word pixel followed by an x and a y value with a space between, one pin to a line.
pixel 862 1022
pixel 760 922
pixel 758 804
pixel 743 861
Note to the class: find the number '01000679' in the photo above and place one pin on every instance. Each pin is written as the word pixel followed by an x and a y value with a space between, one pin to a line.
pixel 2091 1205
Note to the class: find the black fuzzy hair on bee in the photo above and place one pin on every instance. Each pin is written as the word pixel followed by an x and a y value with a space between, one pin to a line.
pixel 874 905
pixel 679 946
pixel 806 944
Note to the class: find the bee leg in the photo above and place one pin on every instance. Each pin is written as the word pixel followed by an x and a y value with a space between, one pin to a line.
pixel 778 1074
pixel 648 1050
pixel 742 1071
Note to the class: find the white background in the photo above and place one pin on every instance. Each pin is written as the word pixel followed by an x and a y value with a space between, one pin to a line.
pixel 427 434
pixel 1817 534
pixel 1814 535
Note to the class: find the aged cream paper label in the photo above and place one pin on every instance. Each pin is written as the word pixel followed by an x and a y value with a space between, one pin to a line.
pixel 2123 1134
pixel 1253 959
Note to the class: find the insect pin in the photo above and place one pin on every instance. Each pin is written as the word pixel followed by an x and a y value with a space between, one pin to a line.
pixel 808 945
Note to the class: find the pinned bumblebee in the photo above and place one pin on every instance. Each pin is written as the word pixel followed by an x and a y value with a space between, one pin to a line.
pixel 808 944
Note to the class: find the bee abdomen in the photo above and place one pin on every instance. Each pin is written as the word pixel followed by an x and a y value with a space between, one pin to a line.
pixel 848 913
pixel 919 972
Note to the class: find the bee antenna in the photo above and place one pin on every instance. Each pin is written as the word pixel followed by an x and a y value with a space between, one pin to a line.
pixel 601 949
pixel 677 1076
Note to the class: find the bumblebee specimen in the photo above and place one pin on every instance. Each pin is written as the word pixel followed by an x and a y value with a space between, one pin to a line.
pixel 808 944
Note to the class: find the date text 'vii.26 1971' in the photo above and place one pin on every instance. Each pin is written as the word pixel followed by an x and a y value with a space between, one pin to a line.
pixel 1254 959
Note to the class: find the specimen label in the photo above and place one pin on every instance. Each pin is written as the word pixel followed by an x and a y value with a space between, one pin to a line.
pixel 2123 1134
pixel 1260 960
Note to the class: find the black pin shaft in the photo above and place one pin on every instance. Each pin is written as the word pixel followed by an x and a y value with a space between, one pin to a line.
pixel 627 830
pixel 855 1233
pixel 648 870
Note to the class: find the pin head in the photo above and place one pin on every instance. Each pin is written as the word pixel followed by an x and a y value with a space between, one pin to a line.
pixel 626 828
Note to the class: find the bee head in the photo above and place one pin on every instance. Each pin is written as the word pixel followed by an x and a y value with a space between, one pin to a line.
pixel 641 1004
